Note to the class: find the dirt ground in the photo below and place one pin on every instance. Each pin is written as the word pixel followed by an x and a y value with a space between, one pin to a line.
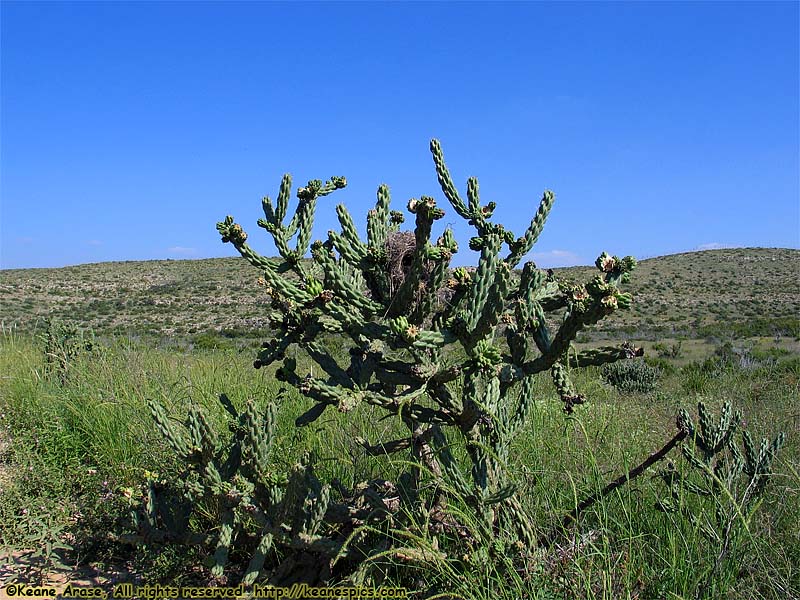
pixel 20 568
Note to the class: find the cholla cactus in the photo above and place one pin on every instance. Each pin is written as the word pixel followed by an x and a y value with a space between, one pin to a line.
pixel 64 343
pixel 721 471
pixel 236 476
pixel 442 349
pixel 401 330
pixel 722 483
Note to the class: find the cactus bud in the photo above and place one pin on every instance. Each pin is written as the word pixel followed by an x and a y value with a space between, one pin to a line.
pixel 313 287
pixel 476 243
pixel 624 299
pixel 399 325
pixel 396 217
pixel 462 275
pixel 609 302
pixel 598 286
pixel 605 263
pixel 628 264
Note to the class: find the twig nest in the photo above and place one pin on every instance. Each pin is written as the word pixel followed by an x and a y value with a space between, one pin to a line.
pixel 400 246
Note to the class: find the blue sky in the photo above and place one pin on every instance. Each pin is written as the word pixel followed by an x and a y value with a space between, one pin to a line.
pixel 130 129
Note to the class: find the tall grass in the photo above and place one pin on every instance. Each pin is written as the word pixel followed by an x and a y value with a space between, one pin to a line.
pixel 75 446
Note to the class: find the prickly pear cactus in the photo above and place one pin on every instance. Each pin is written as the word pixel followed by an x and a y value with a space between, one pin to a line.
pixel 403 330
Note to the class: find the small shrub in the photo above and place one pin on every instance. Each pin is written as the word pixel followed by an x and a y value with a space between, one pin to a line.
pixel 209 341
pixel 632 376
pixel 672 351
pixel 662 364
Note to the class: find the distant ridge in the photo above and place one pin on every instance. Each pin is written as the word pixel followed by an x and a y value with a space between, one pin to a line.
pixel 689 293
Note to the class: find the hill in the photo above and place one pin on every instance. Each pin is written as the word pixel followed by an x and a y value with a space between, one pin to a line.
pixel 731 292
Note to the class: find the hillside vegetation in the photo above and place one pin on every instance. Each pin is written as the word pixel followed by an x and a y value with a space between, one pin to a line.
pixel 731 293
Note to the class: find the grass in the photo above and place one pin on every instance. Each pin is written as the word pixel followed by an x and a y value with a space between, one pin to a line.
pixel 75 447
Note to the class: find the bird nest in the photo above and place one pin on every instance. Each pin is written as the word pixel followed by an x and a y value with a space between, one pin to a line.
pixel 400 247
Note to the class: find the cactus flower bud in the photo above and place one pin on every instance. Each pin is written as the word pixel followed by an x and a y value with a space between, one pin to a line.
pixel 609 302
pixel 605 262
pixel 476 243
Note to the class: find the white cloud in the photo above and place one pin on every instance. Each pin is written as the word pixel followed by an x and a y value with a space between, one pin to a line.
pixel 182 250
pixel 556 258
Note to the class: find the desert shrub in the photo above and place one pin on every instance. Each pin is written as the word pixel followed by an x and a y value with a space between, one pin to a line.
pixel 635 376
pixel 673 350
pixel 662 364
pixel 210 341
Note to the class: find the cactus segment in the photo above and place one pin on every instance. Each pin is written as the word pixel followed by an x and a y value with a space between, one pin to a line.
pixel 446 181
pixel 350 235
pixel 175 439
pixel 523 245
pixel 484 278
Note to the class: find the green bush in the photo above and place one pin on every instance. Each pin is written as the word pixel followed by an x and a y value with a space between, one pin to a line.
pixel 632 376
pixel 662 364
pixel 210 341
pixel 671 351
